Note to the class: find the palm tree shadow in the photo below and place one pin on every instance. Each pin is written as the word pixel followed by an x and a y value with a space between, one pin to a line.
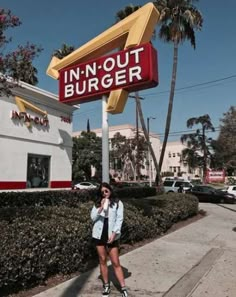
pixel 113 278
pixel 77 284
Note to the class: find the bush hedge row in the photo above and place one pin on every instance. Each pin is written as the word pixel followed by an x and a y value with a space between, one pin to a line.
pixel 67 198
pixel 37 242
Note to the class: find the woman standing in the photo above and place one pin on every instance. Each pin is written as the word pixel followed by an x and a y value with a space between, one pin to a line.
pixel 107 215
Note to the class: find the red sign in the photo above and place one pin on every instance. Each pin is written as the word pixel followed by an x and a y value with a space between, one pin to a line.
pixel 215 176
pixel 132 69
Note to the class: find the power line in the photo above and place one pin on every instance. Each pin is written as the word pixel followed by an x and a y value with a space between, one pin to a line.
pixel 196 85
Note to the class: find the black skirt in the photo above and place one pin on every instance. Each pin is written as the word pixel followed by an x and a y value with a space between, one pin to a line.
pixel 104 237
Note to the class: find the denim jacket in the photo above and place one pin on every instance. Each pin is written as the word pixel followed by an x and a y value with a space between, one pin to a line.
pixel 115 220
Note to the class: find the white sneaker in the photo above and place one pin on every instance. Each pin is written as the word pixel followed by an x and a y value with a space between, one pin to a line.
pixel 106 290
pixel 124 292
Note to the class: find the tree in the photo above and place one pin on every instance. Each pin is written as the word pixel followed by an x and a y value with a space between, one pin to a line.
pixel 123 151
pixel 16 65
pixel 225 146
pixel 64 51
pixel 178 20
pixel 198 144
pixel 120 15
pixel 87 152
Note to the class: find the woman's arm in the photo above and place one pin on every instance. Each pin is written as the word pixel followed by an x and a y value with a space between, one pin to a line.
pixel 96 212
pixel 119 218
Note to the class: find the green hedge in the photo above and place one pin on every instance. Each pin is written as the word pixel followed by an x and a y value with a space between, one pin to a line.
pixel 67 198
pixel 46 198
pixel 42 241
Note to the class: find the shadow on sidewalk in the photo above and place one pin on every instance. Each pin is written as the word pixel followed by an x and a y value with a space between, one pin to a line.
pixel 113 278
pixel 78 284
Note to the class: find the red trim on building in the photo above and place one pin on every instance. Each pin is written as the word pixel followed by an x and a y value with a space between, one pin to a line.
pixel 17 185
pixel 12 185
pixel 60 184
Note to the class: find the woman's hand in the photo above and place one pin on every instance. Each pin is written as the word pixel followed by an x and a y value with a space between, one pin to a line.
pixel 112 237
pixel 102 205
pixel 102 202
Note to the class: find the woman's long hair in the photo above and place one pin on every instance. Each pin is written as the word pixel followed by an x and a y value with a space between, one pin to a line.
pixel 113 198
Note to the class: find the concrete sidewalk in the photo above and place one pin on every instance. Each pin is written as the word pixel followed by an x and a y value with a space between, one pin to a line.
pixel 195 261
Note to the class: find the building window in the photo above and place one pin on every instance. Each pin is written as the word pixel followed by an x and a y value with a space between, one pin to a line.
pixel 169 154
pixel 38 171
pixel 173 155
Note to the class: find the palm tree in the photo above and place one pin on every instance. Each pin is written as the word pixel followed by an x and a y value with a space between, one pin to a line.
pixel 120 15
pixel 178 19
pixel 64 51
pixel 198 142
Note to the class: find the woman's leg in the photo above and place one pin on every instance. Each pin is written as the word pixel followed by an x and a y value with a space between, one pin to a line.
pixel 114 257
pixel 102 254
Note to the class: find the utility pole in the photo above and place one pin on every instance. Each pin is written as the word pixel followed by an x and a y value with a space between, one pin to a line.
pixel 137 167
pixel 137 140
pixel 149 155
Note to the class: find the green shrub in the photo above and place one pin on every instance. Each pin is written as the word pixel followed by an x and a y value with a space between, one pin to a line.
pixel 40 242
pixel 137 226
pixel 46 198
pixel 135 192
pixel 65 197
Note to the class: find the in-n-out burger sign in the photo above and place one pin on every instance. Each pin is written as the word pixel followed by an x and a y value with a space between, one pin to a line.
pixel 27 118
pixel 131 69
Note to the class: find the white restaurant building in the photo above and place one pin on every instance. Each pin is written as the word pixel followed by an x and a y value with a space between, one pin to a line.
pixel 35 140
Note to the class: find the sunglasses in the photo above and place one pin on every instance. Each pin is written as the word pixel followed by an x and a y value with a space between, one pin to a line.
pixel 105 191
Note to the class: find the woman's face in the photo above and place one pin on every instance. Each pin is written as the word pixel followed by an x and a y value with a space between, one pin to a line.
pixel 106 193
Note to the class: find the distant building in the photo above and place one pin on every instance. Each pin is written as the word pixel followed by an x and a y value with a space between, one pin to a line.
pixel 35 140
pixel 173 162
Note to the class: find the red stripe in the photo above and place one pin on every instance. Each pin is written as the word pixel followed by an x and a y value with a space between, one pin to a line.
pixel 12 185
pixel 60 184
pixel 16 185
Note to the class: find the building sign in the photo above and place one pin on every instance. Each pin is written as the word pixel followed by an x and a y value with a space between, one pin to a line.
pixel 215 176
pixel 28 119
pixel 131 69
pixel 77 71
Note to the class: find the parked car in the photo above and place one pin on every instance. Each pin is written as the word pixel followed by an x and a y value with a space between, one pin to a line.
pixel 230 189
pixel 174 185
pixel 210 194
pixel 85 186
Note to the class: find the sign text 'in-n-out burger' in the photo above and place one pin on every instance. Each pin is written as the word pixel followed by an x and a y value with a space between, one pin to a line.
pixel 131 69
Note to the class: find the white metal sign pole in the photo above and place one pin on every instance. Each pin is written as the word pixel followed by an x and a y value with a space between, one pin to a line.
pixel 105 141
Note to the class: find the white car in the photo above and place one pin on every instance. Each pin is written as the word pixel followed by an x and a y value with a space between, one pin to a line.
pixel 171 186
pixel 84 186
pixel 230 189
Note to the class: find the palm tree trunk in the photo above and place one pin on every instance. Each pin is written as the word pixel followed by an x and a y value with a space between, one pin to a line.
pixel 170 107
pixel 204 155
pixel 138 104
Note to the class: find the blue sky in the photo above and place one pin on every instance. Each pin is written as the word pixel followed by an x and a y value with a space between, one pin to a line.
pixel 206 77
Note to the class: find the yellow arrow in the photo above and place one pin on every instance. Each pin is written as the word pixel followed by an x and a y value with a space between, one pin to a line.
pixel 23 104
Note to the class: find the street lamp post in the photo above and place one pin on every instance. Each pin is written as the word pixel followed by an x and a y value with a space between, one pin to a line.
pixel 149 155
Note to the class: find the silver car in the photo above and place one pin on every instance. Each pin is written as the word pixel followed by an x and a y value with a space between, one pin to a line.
pixel 84 186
